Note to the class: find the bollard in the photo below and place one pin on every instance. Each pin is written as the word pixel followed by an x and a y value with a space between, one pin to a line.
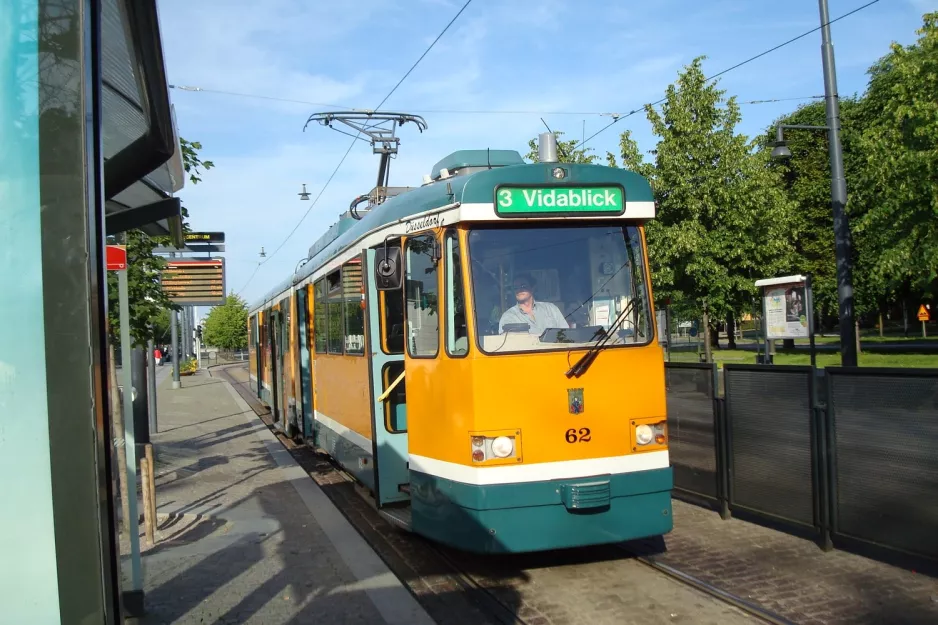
pixel 147 514
pixel 148 451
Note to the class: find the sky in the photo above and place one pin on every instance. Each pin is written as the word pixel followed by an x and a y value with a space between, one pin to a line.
pixel 265 67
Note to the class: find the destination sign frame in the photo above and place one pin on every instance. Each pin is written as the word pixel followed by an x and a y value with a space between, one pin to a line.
pixel 560 200
pixel 194 281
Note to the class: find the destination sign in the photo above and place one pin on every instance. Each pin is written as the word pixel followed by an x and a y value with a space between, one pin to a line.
pixel 193 282
pixel 204 237
pixel 559 200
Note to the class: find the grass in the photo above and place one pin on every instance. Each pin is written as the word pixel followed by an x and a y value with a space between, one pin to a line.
pixel 738 356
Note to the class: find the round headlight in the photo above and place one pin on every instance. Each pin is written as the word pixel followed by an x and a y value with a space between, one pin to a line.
pixel 559 173
pixel 644 434
pixel 502 447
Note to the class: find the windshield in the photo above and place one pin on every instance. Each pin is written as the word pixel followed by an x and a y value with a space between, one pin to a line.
pixel 557 287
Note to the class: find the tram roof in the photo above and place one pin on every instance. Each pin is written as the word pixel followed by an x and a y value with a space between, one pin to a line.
pixel 477 185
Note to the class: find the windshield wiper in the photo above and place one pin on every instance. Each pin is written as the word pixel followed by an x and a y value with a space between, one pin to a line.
pixel 581 365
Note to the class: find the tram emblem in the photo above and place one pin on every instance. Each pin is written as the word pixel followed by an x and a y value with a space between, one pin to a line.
pixel 575 400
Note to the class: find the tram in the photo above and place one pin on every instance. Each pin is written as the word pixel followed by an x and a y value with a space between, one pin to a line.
pixel 479 352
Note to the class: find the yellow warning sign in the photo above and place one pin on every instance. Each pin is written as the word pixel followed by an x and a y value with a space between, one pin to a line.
pixel 923 313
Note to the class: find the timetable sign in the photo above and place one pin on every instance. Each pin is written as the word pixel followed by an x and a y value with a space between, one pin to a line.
pixel 194 282
pixel 204 237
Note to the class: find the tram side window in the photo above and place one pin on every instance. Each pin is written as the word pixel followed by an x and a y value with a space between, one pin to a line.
pixel 422 292
pixel 320 321
pixel 336 322
pixel 354 313
pixel 285 320
pixel 457 333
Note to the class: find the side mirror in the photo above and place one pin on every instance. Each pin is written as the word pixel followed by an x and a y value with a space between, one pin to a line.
pixel 388 271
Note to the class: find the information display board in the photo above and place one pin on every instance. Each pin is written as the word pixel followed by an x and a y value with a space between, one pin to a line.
pixel 194 282
pixel 787 307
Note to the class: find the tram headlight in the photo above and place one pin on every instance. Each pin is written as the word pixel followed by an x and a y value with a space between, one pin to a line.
pixel 502 447
pixel 644 434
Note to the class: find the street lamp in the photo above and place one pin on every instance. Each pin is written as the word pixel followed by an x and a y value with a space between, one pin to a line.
pixel 304 195
pixel 848 336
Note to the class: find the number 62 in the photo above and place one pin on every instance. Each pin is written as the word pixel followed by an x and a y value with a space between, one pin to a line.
pixel 584 435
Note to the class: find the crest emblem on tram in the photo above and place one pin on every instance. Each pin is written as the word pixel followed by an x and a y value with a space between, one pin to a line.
pixel 575 400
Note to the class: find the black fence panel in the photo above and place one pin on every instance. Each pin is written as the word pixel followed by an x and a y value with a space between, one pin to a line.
pixel 883 438
pixel 772 443
pixel 692 428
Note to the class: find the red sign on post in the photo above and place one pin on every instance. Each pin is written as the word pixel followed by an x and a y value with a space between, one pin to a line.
pixel 116 257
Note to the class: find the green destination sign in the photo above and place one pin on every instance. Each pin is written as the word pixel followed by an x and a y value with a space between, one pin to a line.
pixel 523 201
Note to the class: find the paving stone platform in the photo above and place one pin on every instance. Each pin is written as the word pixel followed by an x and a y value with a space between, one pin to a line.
pixel 244 535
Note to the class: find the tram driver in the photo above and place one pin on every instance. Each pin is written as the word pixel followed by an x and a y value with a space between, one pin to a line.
pixel 538 316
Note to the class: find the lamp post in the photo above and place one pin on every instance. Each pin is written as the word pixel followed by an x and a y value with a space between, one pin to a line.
pixel 848 337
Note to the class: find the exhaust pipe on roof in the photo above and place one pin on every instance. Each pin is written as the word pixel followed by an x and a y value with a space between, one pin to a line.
pixel 547 147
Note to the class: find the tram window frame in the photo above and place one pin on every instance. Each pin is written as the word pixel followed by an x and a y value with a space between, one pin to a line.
pixel 286 310
pixel 411 343
pixel 320 330
pixel 453 279
pixel 388 317
pixel 335 343
pixel 391 401
pixel 352 302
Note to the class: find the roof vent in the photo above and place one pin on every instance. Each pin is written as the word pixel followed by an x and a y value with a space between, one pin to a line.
pixel 468 161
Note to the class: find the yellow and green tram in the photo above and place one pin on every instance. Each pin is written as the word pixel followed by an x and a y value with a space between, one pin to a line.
pixel 479 352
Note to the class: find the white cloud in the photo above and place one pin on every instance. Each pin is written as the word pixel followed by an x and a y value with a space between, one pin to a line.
pixel 520 55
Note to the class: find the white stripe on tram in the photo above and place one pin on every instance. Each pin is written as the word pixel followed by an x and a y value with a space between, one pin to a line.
pixel 348 434
pixel 540 471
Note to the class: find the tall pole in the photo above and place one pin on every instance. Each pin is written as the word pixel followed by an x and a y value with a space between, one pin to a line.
pixel 848 336
pixel 151 386
pixel 174 350
pixel 130 442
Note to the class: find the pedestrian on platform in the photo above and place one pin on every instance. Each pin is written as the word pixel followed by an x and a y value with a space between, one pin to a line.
pixel 158 355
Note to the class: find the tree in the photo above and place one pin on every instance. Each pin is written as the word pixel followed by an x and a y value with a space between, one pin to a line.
pixel 722 221
pixel 227 326
pixel 145 296
pixel 806 180
pixel 567 151
pixel 899 185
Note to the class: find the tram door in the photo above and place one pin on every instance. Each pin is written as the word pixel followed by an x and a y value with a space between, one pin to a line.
pixel 385 313
pixel 283 361
pixel 273 333
pixel 306 379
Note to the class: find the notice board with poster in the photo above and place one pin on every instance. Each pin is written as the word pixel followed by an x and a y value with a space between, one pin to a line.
pixel 787 306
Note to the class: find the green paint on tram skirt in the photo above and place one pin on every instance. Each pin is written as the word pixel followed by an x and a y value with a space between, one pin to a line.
pixel 514 518
pixel 559 200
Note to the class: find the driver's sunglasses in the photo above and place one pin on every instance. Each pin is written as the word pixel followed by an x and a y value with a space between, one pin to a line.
pixel 522 287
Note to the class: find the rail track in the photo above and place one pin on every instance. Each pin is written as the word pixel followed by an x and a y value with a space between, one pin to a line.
pixel 470 583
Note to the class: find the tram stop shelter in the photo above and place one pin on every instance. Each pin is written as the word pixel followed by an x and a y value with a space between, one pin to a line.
pixel 89 149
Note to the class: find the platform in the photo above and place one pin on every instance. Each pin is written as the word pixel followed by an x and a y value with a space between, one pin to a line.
pixel 244 535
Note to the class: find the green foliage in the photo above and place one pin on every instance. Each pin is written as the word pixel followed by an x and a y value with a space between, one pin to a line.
pixel 567 151
pixel 191 160
pixel 722 220
pixel 144 295
pixel 188 366
pixel 899 181
pixel 148 305
pixel 226 326
pixel 806 179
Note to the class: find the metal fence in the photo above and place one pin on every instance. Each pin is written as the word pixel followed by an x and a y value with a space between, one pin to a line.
pixel 848 456
pixel 883 433
pixel 694 430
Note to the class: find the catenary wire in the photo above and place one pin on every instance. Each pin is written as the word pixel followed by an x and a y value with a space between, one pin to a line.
pixel 458 111
pixel 731 68
pixel 351 145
